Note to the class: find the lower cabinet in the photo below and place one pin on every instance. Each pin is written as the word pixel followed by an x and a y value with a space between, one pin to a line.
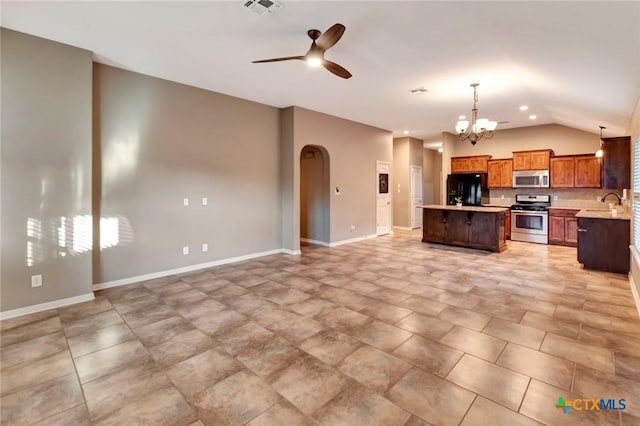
pixel 563 227
pixel 603 244
pixel 507 224
pixel 474 229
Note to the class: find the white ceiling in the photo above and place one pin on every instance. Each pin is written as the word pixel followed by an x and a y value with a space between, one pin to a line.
pixel 573 63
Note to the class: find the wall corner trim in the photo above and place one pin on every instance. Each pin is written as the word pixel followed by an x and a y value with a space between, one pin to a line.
pixel 46 306
pixel 634 292
pixel 190 268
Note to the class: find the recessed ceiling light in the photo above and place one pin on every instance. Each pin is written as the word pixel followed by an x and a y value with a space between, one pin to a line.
pixel 461 117
pixel 418 91
pixel 533 117
pixel 406 132
pixel 524 108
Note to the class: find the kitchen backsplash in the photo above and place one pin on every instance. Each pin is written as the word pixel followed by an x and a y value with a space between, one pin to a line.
pixel 569 198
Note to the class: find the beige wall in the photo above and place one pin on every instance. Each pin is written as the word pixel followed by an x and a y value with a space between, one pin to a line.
pixel 289 215
pixel 161 142
pixel 561 139
pixel 432 167
pixel 407 152
pixel 400 178
pixel 46 170
pixel 314 194
pixel 353 150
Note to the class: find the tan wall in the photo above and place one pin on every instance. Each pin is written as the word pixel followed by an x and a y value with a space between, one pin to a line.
pixel 353 150
pixel 432 166
pixel 46 170
pixel 314 194
pixel 561 139
pixel 161 142
pixel 400 178
pixel 289 216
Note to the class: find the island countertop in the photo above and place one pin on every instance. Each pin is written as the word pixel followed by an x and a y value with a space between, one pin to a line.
pixel 465 208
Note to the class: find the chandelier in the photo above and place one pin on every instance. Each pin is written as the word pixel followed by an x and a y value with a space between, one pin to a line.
pixel 480 127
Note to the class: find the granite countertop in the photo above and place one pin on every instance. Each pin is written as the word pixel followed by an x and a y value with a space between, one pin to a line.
pixel 602 214
pixel 565 208
pixel 465 208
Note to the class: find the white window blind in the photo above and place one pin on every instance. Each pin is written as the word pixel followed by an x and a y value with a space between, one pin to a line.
pixel 636 193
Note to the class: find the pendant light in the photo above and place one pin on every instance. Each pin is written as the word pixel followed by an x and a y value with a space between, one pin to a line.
pixel 600 152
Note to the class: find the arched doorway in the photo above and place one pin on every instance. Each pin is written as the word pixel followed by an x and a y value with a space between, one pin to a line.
pixel 314 195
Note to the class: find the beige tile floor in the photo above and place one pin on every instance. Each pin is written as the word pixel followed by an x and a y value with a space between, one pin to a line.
pixel 388 331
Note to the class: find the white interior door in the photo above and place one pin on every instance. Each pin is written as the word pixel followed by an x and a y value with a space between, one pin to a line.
pixel 383 198
pixel 416 196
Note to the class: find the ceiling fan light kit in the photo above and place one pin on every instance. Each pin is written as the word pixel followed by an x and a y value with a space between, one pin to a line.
pixel 320 43
pixel 480 127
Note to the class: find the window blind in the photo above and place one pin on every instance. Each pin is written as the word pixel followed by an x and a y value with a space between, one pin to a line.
pixel 636 193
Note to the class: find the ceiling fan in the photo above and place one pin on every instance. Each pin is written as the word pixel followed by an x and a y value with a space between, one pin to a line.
pixel 320 43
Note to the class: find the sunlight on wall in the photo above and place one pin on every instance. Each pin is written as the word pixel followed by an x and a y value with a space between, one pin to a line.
pixel 73 236
pixel 121 157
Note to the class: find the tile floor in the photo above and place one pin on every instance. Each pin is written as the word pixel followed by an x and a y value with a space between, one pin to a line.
pixel 388 331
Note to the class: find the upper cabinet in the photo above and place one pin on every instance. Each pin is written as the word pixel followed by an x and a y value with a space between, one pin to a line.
pixel 616 167
pixel 532 160
pixel 472 164
pixel 588 172
pixel 562 171
pixel 575 171
pixel 500 173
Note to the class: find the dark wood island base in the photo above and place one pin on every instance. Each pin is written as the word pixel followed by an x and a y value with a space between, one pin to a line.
pixel 473 227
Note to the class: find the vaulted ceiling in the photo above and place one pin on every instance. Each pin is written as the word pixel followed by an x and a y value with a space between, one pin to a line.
pixel 574 63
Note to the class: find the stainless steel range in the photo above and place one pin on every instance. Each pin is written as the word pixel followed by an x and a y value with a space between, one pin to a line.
pixel 530 218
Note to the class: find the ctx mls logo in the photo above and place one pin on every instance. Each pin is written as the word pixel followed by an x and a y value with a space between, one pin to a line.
pixel 583 404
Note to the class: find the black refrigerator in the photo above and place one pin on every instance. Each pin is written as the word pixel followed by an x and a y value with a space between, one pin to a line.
pixel 470 187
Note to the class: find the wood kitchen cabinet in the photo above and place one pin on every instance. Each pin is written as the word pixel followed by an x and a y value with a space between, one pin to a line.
pixel 531 160
pixel 500 173
pixel 507 224
pixel 603 244
pixel 563 227
pixel 471 164
pixel 562 170
pixel 587 171
pixel 575 171
pixel 616 163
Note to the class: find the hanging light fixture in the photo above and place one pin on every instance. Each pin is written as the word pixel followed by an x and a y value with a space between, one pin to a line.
pixel 599 152
pixel 480 127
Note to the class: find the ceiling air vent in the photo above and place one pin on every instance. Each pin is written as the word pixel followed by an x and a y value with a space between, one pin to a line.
pixel 262 7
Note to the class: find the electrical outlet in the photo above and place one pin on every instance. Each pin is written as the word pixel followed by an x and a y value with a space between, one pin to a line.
pixel 555 198
pixel 205 247
pixel 36 280
pixel 598 198
pixel 353 228
pixel 185 250
pixel 185 202
pixel 205 201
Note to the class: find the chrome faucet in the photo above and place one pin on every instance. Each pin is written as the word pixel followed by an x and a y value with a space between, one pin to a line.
pixel 612 193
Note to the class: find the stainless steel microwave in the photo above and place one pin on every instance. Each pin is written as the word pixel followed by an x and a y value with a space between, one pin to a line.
pixel 531 179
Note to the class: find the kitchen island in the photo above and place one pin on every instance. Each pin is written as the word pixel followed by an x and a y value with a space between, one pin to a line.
pixel 467 226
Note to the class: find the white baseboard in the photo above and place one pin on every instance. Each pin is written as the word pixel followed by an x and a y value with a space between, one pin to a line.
pixel 403 228
pixel 46 306
pixel 190 268
pixel 352 240
pixel 292 252
pixel 317 242
pixel 634 292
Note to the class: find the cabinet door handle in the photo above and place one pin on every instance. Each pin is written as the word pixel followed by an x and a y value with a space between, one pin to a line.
pixel 582 230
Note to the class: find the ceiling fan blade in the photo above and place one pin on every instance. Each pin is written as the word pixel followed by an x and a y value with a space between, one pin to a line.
pixel 331 36
pixel 286 58
pixel 336 69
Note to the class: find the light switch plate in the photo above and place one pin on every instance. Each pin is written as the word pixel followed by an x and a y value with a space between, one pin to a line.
pixel 185 202
pixel 205 247
pixel 205 201
pixel 185 250
pixel 36 280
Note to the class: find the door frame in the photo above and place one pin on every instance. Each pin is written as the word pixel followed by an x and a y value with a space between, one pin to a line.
pixel 411 192
pixel 390 214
